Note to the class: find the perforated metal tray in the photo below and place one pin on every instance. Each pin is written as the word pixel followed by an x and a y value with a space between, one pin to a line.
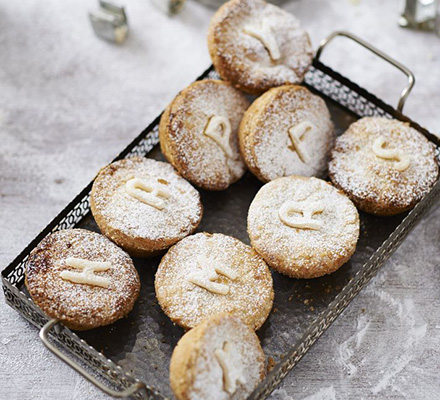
pixel 131 357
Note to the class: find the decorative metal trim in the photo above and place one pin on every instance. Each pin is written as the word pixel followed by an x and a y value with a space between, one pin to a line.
pixel 320 79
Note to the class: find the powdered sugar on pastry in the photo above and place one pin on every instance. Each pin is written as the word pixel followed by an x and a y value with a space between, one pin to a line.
pixel 265 35
pixel 297 133
pixel 305 251
pixel 383 165
pixel 219 359
pixel 198 134
pixel 256 45
pixel 287 131
pixel 82 305
pixel 233 373
pixel 159 208
pixel 208 272
pixel 242 281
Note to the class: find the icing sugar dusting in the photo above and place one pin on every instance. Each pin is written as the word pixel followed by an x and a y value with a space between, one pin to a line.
pixel 76 303
pixel 328 393
pixel 245 361
pixel 250 294
pixel 197 156
pixel 349 349
pixel 303 249
pixel 408 348
pixel 179 216
pixel 241 51
pixel 268 142
pixel 357 170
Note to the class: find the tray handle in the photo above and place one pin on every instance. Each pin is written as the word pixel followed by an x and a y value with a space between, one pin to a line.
pixel 44 336
pixel 381 54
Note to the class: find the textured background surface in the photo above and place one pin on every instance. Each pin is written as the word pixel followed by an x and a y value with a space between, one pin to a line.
pixel 69 102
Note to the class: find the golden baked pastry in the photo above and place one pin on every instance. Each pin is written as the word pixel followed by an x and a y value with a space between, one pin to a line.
pixel 198 134
pixel 205 274
pixel 286 131
pixel 82 279
pixel 144 206
pixel 303 227
pixel 383 165
pixel 219 359
pixel 256 45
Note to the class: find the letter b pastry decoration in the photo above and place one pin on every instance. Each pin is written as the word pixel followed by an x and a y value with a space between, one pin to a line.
pixel 289 211
pixel 151 193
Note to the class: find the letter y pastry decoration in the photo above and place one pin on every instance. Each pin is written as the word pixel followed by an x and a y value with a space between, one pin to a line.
pixel 265 35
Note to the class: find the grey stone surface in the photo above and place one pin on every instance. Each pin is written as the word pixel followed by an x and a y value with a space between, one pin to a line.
pixel 69 102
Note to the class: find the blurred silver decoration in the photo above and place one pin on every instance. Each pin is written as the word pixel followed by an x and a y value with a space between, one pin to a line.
pixel 419 14
pixel 170 7
pixel 437 21
pixel 217 3
pixel 110 22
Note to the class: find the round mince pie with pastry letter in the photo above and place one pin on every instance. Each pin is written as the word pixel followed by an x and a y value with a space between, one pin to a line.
pixel 198 134
pixel 384 165
pixel 220 359
pixel 256 45
pixel 82 278
pixel 144 206
pixel 303 227
pixel 286 131
pixel 205 274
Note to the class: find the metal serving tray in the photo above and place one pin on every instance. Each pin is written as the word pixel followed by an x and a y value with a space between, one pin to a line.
pixel 131 357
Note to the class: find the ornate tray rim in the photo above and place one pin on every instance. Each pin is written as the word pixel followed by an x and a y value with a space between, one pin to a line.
pixel 78 208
